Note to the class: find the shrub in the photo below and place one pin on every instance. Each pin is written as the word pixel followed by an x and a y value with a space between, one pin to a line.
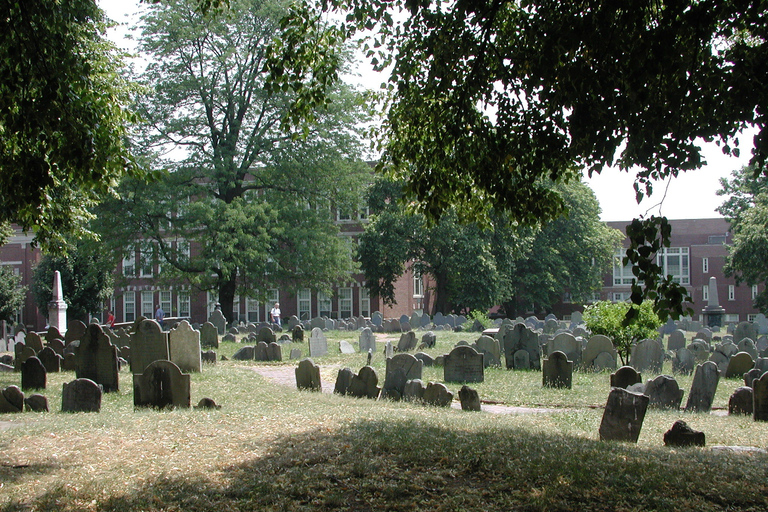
pixel 607 318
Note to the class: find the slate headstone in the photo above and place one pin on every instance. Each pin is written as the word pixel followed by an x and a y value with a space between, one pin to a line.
pixel 625 377
pixel 365 384
pixel 407 342
pixel 184 346
pixel 760 398
pixel 81 395
pixel 318 343
pixel 438 395
pixel 148 344
pixel 648 355
pixel 469 398
pixel 664 393
pixel 703 387
pixel 308 376
pixel 741 401
pixel 367 340
pixel 161 385
pixel 682 435
pixel 623 416
pixel 33 374
pixel 463 364
pixel 217 319
pixel 557 371
pixel 209 336
pixel 738 365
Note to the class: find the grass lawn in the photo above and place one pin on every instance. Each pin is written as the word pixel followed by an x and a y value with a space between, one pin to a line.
pixel 273 448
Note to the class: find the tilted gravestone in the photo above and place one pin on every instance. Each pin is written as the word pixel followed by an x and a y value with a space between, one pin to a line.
pixel 96 359
pixel 33 374
pixel 367 341
pixel 50 359
pixel 36 403
pixel 318 343
pixel 748 345
pixel 408 341
pixel 469 398
pixel 161 385
pixel 463 364
pixel 703 387
pixel 664 393
pixel 343 381
pixel 308 376
pixel 75 330
pixel 346 348
pixel 53 333
pixel 760 398
pixel 623 416
pixel 557 371
pixel 741 401
pixel 647 355
pixel 625 377
pixel 148 344
pixel 184 347
pixel 438 395
pixel 209 336
pixel 81 395
pixel 11 400
pixel 34 341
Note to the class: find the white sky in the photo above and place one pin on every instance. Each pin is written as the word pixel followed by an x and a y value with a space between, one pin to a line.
pixel 691 195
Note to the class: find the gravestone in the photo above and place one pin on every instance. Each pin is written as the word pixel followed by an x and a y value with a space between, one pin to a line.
pixel 567 344
pixel 297 334
pixel 267 335
pixel 407 342
pixel 308 376
pixel 33 374
pixel 704 334
pixel 184 346
pixel 623 416
pixel 75 330
pixel 741 401
pixel 34 341
pixel 664 393
pixel 50 359
pixel 591 357
pixel 760 398
pixel 400 369
pixel 699 349
pixel 219 321
pixel 208 357
pixel 318 343
pixel 295 353
pixel 762 324
pixel 521 359
pixel 274 352
pixel 148 344
pixel 36 403
pixel 21 354
pixel 703 387
pixel 428 340
pixel 364 384
pixel 209 336
pixel 469 398
pixel 161 385
pixel 557 371
pixel 738 365
pixel 367 341
pixel 463 364
pixel 11 400
pixel 247 353
pixel 438 395
pixel 388 349
pixel 490 349
pixel 625 377
pixel 745 330
pixel 260 351
pixel 81 395
pixel 346 348
pixel 426 359
pixel 414 390
pixel 53 333
pixel 377 318
pixel 676 340
pixel 521 337
pixel 343 381
pixel 682 435
pixel 647 355
pixel 57 346
pixel 748 345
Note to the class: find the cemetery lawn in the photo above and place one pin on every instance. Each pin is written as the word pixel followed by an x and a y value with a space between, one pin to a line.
pixel 271 447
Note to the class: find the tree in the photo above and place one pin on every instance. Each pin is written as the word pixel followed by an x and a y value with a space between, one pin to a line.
pixel 87 278
pixel 607 318
pixel 11 293
pixel 255 202
pixel 491 101
pixel 475 268
pixel 63 116
pixel 746 208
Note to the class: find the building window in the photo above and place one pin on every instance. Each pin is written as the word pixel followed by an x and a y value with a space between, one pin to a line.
pixel 418 285
pixel 705 292
pixel 621 296
pixel 365 302
pixel 343 216
pixel 213 299
pixel 622 274
pixel 129 264
pixel 252 310
pixel 146 258
pixel 363 213
pixel 146 305
pixel 165 302
pixel 184 304
pixel 731 292
pixel 732 318
pixel 674 262
pixel 236 308
pixel 567 298
pixel 273 295
pixel 751 317
pixel 345 302
pixel 754 291
pixel 129 307
pixel 705 265
pixel 324 306
pixel 304 304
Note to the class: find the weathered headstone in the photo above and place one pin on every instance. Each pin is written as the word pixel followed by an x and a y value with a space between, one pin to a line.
pixel 75 331
pixel 274 352
pixel 308 376
pixel 703 387
pixel 647 355
pixel 470 399
pixel 217 319
pixel 343 381
pixel 760 398
pixel 438 395
pixel 81 395
pixel 463 364
pixel 367 341
pixel 738 365
pixel 209 336
pixel 676 340
pixel 33 374
pixel 625 377
pixel 148 344
pixel 267 335
pixel 566 343
pixel 414 390
pixel 318 343
pixel 184 347
pixel 260 351
pixel 664 393
pixel 11 400
pixel 597 345
pixel 365 384
pixel 295 353
pixel 741 401
pixel 682 435
pixel 161 385
pixel 407 342
pixel 491 349
pixel 208 357
pixel 520 337
pixel 34 341
pixel 388 349
pixel 346 348
pixel 557 371
pixel 683 362
pixel 623 416
pixel 745 330
pixel 36 403
pixel 50 359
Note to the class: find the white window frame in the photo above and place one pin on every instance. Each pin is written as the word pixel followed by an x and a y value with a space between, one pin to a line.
pixel 620 296
pixel 324 304
pixel 705 265
pixel 418 285
pixel 732 318
pixel 751 317
pixel 345 302
pixel 148 304
pixel 365 302
pixel 304 304
pixel 129 264
pixel 252 310
pixel 129 306
pixel 705 293
pixel 146 260
pixel 731 292
pixel 683 253
pixel 754 291
pixel 622 274
pixel 212 298
pixel 184 304
pixel 343 216
pixel 166 301
pixel 363 213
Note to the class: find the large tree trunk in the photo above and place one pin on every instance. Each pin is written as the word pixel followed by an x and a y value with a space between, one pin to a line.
pixel 441 293
pixel 227 289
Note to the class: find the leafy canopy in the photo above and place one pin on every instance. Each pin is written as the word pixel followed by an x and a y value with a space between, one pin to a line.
pixel 12 294
pixel 607 318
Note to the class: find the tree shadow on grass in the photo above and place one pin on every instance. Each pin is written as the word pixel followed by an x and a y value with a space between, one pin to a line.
pixel 415 464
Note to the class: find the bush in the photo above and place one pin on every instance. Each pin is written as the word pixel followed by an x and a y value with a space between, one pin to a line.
pixel 480 316
pixel 607 318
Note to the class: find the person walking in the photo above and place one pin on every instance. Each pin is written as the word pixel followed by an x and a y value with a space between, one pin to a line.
pixel 275 314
